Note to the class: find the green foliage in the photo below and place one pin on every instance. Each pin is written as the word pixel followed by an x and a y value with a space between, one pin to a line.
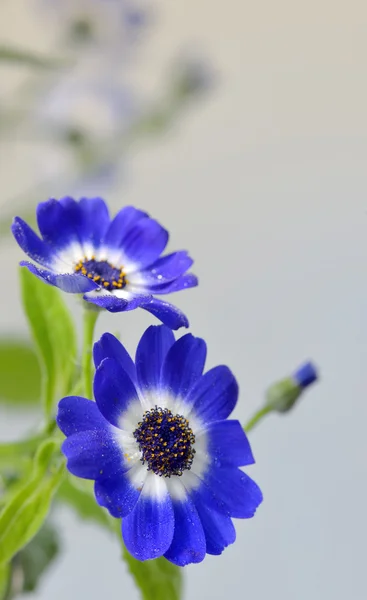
pixel 157 579
pixel 4 580
pixel 54 335
pixel 27 509
pixel 20 375
pixel 26 58
pixel 79 496
pixel 17 453
pixel 36 557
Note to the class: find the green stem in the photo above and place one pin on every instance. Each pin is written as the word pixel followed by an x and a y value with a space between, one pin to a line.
pixel 90 318
pixel 257 417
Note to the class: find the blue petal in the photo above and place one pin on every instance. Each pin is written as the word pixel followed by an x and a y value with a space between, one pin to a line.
pixel 95 220
pixel 123 222
pixel 305 375
pixel 181 283
pixel 228 444
pixel 77 414
pixel 148 529
pixel 31 244
pixel 188 544
pixel 110 347
pixel 67 221
pixel 57 224
pixel 91 454
pixel 238 493
pixel 113 389
pixel 150 355
pixel 184 365
pixel 167 268
pixel 218 527
pixel 215 394
pixel 145 242
pixel 167 313
pixel 114 304
pixel 116 493
pixel 73 283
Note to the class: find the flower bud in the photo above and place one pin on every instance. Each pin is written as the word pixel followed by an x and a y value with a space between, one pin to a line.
pixel 283 395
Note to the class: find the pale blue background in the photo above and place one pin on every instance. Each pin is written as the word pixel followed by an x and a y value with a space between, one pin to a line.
pixel 265 184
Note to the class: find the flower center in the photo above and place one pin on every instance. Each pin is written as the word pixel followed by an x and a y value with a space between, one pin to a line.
pixel 165 441
pixel 103 273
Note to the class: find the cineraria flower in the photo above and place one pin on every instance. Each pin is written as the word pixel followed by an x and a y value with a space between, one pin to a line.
pixel 159 446
pixel 116 263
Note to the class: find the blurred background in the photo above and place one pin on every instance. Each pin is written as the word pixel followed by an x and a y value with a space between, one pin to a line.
pixel 242 128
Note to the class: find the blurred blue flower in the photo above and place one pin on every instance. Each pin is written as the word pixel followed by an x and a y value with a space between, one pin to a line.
pixel 108 24
pixel 159 446
pixel 283 395
pixel 90 103
pixel 116 263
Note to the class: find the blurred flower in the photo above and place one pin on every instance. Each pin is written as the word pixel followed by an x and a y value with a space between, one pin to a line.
pixel 86 105
pixel 115 263
pixel 159 446
pixel 283 395
pixel 106 24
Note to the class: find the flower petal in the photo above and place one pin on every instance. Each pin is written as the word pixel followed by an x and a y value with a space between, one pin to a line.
pixel 120 491
pixel 218 527
pixel 110 347
pixel 114 303
pixel 150 355
pixel 144 243
pixel 170 315
pixel 95 221
pixel 57 224
pixel 188 543
pixel 214 395
pixel 184 365
pixel 77 414
pixel 91 453
pixel 239 494
pixel 164 270
pixel 114 391
pixel 228 444
pixel 121 224
pixel 148 529
pixel 73 283
pixel 31 244
pixel 181 283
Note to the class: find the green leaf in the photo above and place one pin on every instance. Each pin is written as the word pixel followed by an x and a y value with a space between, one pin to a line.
pixel 35 558
pixel 20 375
pixel 18 56
pixel 157 579
pixel 82 501
pixel 53 332
pixel 4 580
pixel 12 453
pixel 28 508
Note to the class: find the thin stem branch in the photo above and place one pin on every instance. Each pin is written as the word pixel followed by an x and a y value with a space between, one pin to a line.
pixel 90 319
pixel 256 418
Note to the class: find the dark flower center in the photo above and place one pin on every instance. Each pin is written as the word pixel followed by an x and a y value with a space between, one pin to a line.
pixel 103 273
pixel 166 442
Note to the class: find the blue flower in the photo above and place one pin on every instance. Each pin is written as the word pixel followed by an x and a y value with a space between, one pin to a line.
pixel 159 446
pixel 115 263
